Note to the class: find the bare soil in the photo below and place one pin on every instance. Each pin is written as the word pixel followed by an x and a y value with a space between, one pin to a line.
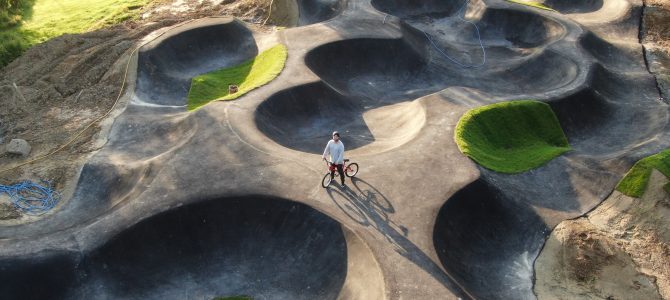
pixel 620 250
pixel 64 84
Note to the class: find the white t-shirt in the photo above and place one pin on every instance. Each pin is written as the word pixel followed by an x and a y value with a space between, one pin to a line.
pixel 336 151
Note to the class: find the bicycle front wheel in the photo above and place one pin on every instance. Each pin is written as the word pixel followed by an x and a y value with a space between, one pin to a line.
pixel 325 182
pixel 351 170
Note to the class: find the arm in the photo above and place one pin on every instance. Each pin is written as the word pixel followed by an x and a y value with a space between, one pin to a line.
pixel 340 157
pixel 326 151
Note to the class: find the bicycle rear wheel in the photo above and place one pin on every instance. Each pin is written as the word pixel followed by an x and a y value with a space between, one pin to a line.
pixel 351 170
pixel 325 182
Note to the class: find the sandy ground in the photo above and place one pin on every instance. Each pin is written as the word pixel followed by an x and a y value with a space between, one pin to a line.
pixel 620 250
pixel 64 84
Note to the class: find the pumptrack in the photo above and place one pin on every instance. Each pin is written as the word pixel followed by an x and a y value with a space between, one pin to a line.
pixel 227 201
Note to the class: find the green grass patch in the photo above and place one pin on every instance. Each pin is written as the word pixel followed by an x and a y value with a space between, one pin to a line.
pixel 636 180
pixel 41 20
pixel 511 137
pixel 532 4
pixel 260 70
pixel 12 45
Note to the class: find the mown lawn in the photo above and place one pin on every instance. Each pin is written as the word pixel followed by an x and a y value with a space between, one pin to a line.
pixel 511 137
pixel 247 76
pixel 41 20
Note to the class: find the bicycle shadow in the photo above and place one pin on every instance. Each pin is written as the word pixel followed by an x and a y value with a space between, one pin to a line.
pixel 367 206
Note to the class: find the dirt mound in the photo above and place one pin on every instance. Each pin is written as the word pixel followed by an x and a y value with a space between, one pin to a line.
pixel 620 250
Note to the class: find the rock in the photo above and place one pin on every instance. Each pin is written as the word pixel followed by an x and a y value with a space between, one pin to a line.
pixel 18 146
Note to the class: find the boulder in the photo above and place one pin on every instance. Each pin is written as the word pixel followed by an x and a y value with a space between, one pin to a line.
pixel 18 146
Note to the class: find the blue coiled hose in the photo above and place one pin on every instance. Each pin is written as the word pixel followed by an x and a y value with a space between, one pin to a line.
pixel 32 198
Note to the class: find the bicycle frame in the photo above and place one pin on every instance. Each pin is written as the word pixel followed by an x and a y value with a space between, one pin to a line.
pixel 333 167
pixel 348 170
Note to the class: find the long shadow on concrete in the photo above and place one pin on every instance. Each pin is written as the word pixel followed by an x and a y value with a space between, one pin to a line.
pixel 368 207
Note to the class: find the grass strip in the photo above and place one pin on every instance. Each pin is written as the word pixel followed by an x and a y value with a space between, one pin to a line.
pixel 251 74
pixel 511 137
pixel 532 4
pixel 635 182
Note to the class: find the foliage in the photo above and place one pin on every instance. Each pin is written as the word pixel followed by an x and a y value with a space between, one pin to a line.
pixel 12 45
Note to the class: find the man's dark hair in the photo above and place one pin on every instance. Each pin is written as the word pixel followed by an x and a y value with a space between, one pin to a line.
pixel 336 133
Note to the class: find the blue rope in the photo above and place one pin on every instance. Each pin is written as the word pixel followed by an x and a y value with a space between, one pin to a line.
pixel 479 37
pixel 32 198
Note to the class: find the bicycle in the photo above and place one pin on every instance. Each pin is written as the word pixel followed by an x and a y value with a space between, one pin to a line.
pixel 350 170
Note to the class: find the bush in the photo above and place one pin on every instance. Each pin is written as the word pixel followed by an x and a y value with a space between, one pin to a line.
pixel 12 11
pixel 12 46
pixel 9 20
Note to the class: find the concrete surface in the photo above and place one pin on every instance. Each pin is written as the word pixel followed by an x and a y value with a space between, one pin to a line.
pixel 420 221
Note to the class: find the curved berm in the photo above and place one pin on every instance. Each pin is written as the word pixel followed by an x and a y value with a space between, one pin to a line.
pixel 408 8
pixel 256 246
pixel 376 69
pixel 315 11
pixel 166 66
pixel 192 205
pixel 520 29
pixel 302 117
pixel 489 241
pixel 570 7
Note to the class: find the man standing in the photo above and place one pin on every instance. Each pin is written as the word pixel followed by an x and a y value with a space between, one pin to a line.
pixel 336 150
